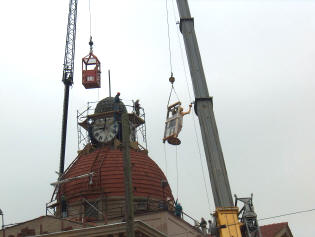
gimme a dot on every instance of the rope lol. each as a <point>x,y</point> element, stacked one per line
<point>169,38</point>
<point>165,160</point>
<point>169,98</point>
<point>200,159</point>
<point>189,95</point>
<point>176,94</point>
<point>176,173</point>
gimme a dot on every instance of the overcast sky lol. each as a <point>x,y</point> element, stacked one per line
<point>258,58</point>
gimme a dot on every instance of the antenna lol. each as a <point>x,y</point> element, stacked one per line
<point>110,90</point>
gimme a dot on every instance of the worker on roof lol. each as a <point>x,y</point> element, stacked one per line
<point>116,107</point>
<point>178,209</point>
<point>116,98</point>
<point>203,225</point>
<point>117,115</point>
<point>137,107</point>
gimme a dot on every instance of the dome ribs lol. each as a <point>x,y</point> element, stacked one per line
<point>107,166</point>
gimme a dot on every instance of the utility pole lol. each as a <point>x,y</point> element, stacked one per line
<point>204,109</point>
<point>3,230</point>
<point>127,175</point>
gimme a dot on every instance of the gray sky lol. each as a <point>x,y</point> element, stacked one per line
<point>258,57</point>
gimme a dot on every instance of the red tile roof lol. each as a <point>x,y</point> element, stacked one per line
<point>273,229</point>
<point>107,164</point>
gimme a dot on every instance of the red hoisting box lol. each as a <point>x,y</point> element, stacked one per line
<point>91,72</point>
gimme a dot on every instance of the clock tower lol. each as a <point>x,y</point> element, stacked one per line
<point>103,126</point>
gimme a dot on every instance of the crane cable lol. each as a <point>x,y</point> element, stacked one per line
<point>90,19</point>
<point>170,53</point>
<point>91,43</point>
<point>169,38</point>
<point>172,89</point>
<point>189,95</point>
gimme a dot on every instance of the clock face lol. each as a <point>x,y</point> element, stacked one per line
<point>104,129</point>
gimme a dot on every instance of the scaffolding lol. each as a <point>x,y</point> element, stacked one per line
<point>138,135</point>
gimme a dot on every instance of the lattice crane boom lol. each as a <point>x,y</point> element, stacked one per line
<point>68,66</point>
<point>67,77</point>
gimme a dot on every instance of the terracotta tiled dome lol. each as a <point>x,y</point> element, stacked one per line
<point>108,178</point>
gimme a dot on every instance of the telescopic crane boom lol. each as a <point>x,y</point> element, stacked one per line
<point>67,77</point>
<point>204,108</point>
<point>226,215</point>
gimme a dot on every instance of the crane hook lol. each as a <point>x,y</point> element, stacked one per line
<point>91,45</point>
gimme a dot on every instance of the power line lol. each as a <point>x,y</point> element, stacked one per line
<point>287,214</point>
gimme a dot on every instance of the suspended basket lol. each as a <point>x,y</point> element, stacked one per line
<point>173,124</point>
<point>91,72</point>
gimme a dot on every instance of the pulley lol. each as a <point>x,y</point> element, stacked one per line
<point>172,79</point>
<point>91,45</point>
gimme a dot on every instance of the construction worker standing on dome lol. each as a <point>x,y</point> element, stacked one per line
<point>137,107</point>
<point>117,115</point>
<point>116,106</point>
<point>116,98</point>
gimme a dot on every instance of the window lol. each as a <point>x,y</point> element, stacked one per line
<point>89,78</point>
